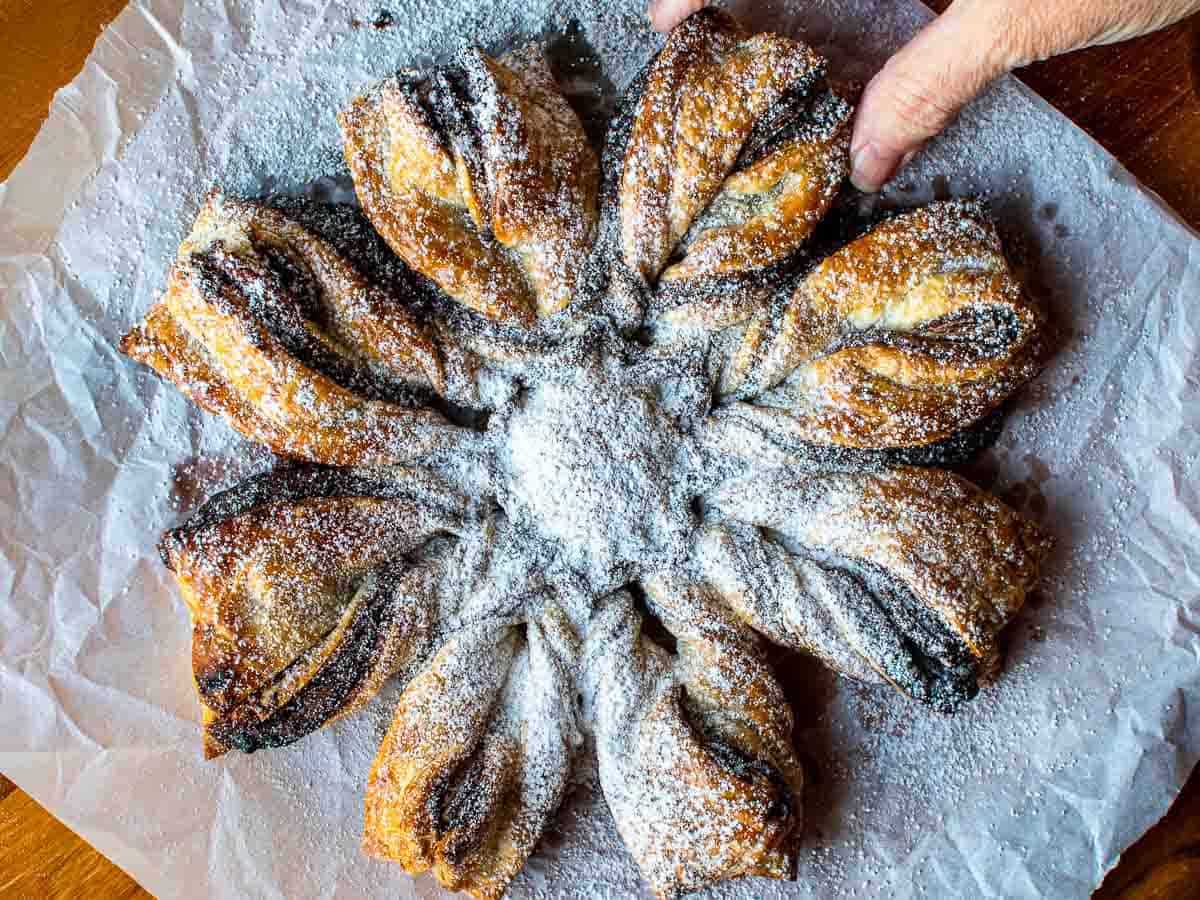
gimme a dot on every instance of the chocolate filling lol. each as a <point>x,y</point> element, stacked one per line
<point>806,110</point>
<point>255,295</point>
<point>295,281</point>
<point>455,95</point>
<point>904,639</point>
<point>345,228</point>
<point>964,337</point>
<point>839,228</point>
<point>465,804</point>
<point>616,144</point>
<point>744,766</point>
<point>286,484</point>
<point>954,452</point>
<point>324,695</point>
<point>621,278</point>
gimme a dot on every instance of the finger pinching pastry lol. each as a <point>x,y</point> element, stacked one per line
<point>564,459</point>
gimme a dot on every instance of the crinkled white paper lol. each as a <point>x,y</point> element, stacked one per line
<point>1033,791</point>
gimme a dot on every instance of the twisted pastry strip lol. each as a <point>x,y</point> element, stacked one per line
<point>743,430</point>
<point>477,757</point>
<point>792,601</point>
<point>480,177</point>
<point>901,339</point>
<point>694,751</point>
<point>304,597</point>
<point>728,151</point>
<point>267,325</point>
<point>918,571</point>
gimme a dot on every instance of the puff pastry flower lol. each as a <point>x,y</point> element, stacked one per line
<point>564,446</point>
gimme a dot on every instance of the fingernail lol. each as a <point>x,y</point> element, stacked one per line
<point>662,16</point>
<point>870,168</point>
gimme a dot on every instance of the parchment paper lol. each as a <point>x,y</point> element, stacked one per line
<point>1033,791</point>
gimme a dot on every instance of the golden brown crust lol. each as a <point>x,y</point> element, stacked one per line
<point>501,212</point>
<point>904,337</point>
<point>433,736</point>
<point>717,169</point>
<point>421,215</point>
<point>367,321</point>
<point>963,552</point>
<point>960,552</point>
<point>161,343</point>
<point>278,596</point>
<point>800,178</point>
<point>695,754</point>
<point>647,238</point>
<point>476,759</point>
<point>546,179</point>
<point>210,335</point>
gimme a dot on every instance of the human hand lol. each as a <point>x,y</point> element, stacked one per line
<point>666,14</point>
<point>924,86</point>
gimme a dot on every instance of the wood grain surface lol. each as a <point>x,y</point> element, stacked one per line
<point>1137,99</point>
<point>42,858</point>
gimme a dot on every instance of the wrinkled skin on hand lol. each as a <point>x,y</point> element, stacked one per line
<point>925,85</point>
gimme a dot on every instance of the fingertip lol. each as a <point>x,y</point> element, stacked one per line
<point>872,166</point>
<point>666,14</point>
<point>917,93</point>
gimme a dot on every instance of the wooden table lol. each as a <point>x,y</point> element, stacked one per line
<point>1139,100</point>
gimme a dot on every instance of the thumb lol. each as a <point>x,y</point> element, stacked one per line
<point>921,90</point>
<point>666,14</point>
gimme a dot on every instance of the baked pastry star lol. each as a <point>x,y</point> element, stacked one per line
<point>562,460</point>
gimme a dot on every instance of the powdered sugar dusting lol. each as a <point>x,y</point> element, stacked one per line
<point>872,757</point>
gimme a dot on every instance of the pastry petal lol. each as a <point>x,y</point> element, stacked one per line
<point>694,750</point>
<point>784,597</point>
<point>902,338</point>
<point>728,152</point>
<point>865,632</point>
<point>480,176</point>
<point>267,325</point>
<point>477,757</point>
<point>917,569</point>
<point>306,592</point>
<point>767,437</point>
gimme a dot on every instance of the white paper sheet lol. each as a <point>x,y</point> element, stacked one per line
<point>1034,790</point>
